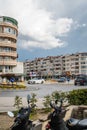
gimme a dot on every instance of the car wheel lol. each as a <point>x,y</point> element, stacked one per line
<point>34,82</point>
<point>42,82</point>
<point>75,84</point>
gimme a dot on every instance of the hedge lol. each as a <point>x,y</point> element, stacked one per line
<point>12,87</point>
<point>78,97</point>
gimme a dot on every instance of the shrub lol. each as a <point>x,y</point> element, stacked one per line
<point>12,87</point>
<point>75,97</point>
<point>78,97</point>
<point>33,101</point>
<point>18,102</point>
<point>46,103</point>
<point>57,95</point>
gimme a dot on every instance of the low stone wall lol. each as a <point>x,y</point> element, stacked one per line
<point>77,112</point>
<point>80,112</point>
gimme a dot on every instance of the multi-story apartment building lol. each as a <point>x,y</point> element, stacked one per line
<point>72,64</point>
<point>8,47</point>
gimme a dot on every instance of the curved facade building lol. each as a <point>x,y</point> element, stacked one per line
<point>8,48</point>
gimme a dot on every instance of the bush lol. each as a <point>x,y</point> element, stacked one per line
<point>46,103</point>
<point>75,97</point>
<point>5,86</point>
<point>78,97</point>
<point>33,101</point>
<point>56,95</point>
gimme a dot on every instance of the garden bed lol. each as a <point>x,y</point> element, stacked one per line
<point>14,86</point>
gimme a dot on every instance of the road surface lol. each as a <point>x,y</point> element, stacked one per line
<point>7,96</point>
<point>40,90</point>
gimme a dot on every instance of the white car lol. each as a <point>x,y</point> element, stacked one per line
<point>36,81</point>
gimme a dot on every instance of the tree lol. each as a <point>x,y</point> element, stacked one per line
<point>46,103</point>
<point>18,102</point>
<point>33,102</point>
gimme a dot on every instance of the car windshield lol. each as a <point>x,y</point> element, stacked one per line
<point>62,78</point>
<point>35,78</point>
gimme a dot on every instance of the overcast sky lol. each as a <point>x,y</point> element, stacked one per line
<point>48,27</point>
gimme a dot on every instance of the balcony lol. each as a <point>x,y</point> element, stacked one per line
<point>9,25</point>
<point>7,44</point>
<point>8,35</point>
<point>11,63</point>
<point>11,54</point>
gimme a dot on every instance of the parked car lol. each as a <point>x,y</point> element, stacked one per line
<point>81,80</point>
<point>36,81</point>
<point>62,79</point>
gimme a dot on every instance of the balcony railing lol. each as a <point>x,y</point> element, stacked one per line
<point>8,25</point>
<point>8,35</point>
<point>7,44</point>
<point>12,62</point>
<point>13,54</point>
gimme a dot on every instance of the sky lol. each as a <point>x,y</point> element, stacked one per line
<point>48,27</point>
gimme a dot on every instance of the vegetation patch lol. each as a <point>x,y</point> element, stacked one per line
<point>3,86</point>
<point>77,97</point>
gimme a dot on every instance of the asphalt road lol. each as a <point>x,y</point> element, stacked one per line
<point>40,90</point>
<point>7,96</point>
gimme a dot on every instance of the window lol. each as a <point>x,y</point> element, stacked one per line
<point>83,66</point>
<point>82,62</point>
<point>84,54</point>
<point>0,29</point>
<point>1,68</point>
<point>84,58</point>
<point>8,68</point>
<point>1,19</point>
<point>9,30</point>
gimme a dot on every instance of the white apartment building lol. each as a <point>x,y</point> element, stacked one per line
<point>18,70</point>
<point>71,64</point>
<point>8,48</point>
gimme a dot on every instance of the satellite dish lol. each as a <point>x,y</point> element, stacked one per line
<point>10,114</point>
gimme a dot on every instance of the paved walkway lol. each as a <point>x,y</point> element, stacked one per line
<point>7,103</point>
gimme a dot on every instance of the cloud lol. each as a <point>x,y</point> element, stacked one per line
<point>77,25</point>
<point>37,23</point>
<point>46,35</point>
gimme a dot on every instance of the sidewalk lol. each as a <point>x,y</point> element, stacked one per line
<point>7,103</point>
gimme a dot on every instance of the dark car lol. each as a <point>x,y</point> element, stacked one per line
<point>62,79</point>
<point>81,80</point>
